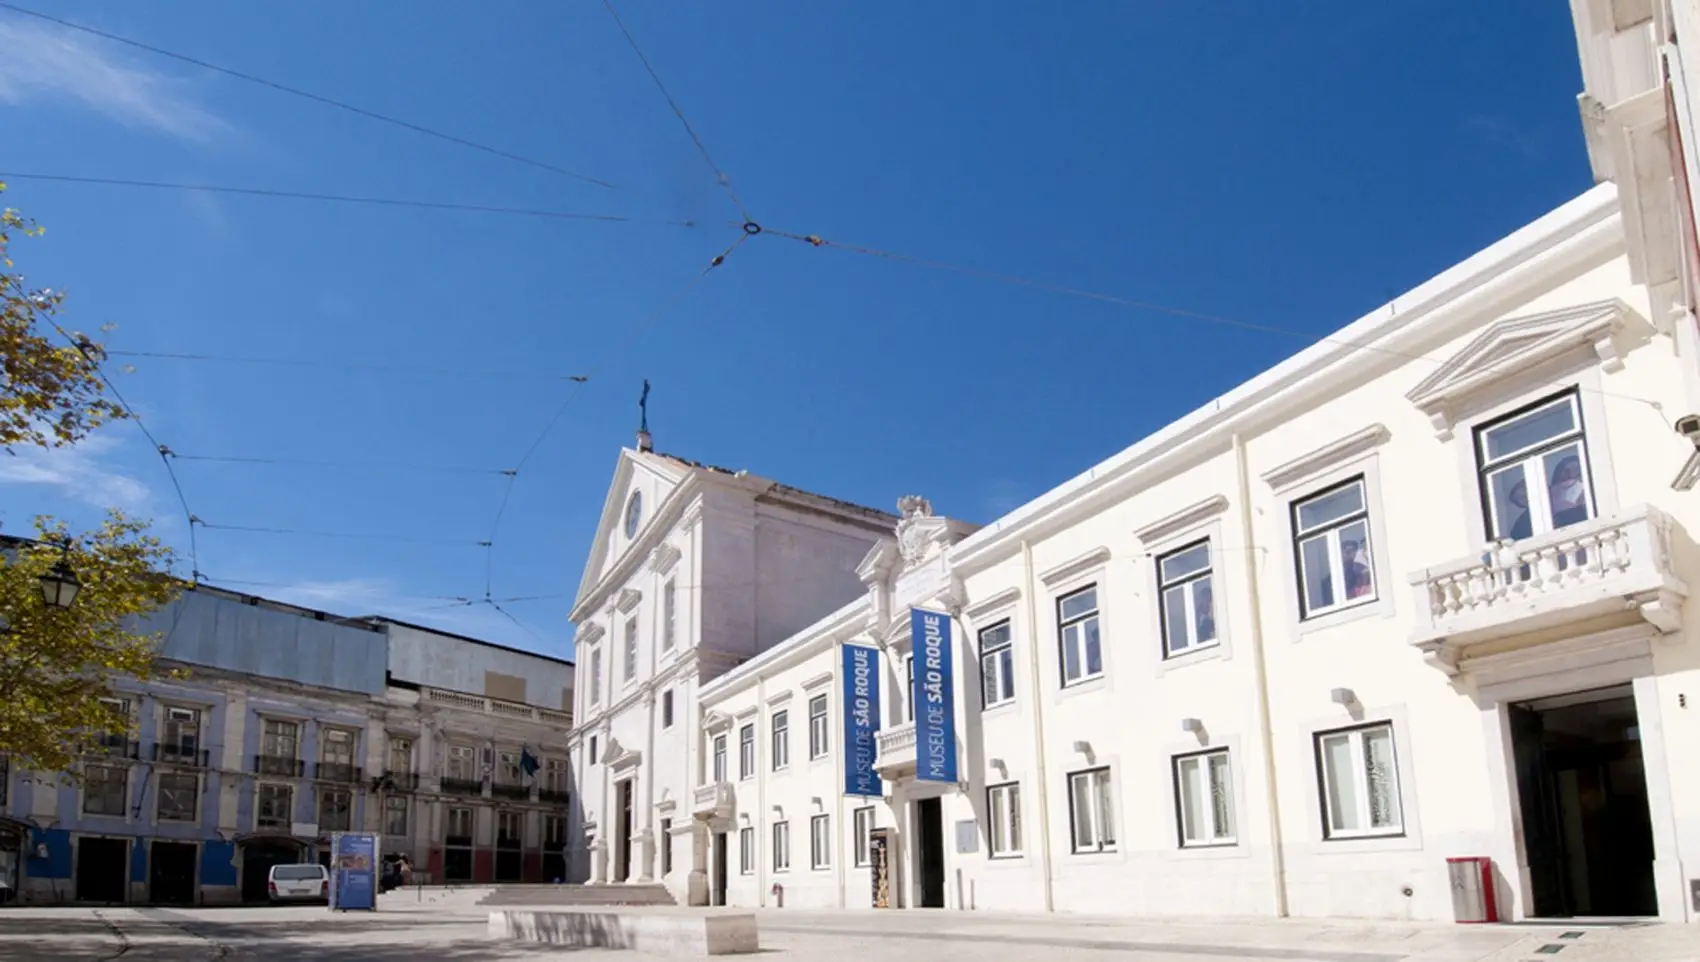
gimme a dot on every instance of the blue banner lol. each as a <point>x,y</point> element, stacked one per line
<point>354,871</point>
<point>861,719</point>
<point>935,696</point>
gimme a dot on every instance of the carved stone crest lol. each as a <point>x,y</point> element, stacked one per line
<point>912,529</point>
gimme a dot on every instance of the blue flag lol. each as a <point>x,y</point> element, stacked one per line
<point>527,761</point>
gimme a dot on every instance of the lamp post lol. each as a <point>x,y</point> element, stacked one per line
<point>59,585</point>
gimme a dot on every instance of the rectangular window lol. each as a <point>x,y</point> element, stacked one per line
<point>1534,470</point>
<point>554,831</point>
<point>666,844</point>
<point>182,736</point>
<point>1077,635</point>
<point>1188,608</point>
<point>719,758</point>
<point>462,763</point>
<point>631,663</point>
<point>862,827</point>
<point>820,842</point>
<point>508,769</point>
<point>997,666</point>
<point>395,815</point>
<point>555,776</point>
<point>595,676</point>
<point>1360,782</point>
<point>1003,802</point>
<point>590,753</point>
<point>335,807</point>
<point>781,748</point>
<point>510,830</point>
<point>1331,542</point>
<point>280,739</point>
<point>667,708</point>
<point>275,806</point>
<point>401,755</point>
<point>781,846</point>
<point>460,826</point>
<point>747,752</point>
<point>1091,808</point>
<point>819,737</point>
<point>746,851</point>
<point>105,788</point>
<point>117,742</point>
<point>669,617</point>
<point>338,747</point>
<point>1204,797</point>
<point>179,793</point>
<point>909,688</point>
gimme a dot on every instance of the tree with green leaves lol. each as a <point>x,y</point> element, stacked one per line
<point>51,390</point>
<point>59,661</point>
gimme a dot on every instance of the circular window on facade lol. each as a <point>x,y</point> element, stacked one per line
<point>634,514</point>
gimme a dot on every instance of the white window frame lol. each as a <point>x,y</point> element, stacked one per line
<point>629,653</point>
<point>269,738</point>
<point>1203,764</point>
<point>596,676</point>
<point>997,662</point>
<point>1079,621</point>
<point>720,767</point>
<point>1100,799</point>
<point>327,794</point>
<point>1329,533</point>
<point>449,824</point>
<point>1530,460</point>
<point>820,730</point>
<point>820,842</point>
<point>781,846</point>
<point>122,767</point>
<point>391,808</point>
<point>908,689</point>
<point>1335,463</point>
<point>746,751</point>
<point>1003,820</point>
<point>862,832</point>
<point>1185,582</point>
<point>747,850</point>
<point>468,754</point>
<point>1326,777</point>
<point>194,796</point>
<point>400,749</point>
<point>779,750</point>
<point>276,790</point>
<point>669,616</point>
<point>193,723</point>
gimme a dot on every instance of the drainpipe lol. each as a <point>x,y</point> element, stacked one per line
<point>759,823</point>
<point>1260,689</point>
<point>835,739</point>
<point>1038,690</point>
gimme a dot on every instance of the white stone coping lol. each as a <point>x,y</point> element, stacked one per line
<point>655,931</point>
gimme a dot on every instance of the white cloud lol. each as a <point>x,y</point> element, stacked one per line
<point>78,472</point>
<point>41,61</point>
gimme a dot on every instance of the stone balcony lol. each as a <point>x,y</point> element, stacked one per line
<point>496,706</point>
<point>1604,573</point>
<point>713,801</point>
<point>894,750</point>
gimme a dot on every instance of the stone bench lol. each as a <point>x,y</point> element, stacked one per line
<point>660,933</point>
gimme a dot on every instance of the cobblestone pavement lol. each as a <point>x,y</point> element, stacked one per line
<point>457,934</point>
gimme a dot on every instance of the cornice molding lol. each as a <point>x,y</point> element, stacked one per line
<point>628,599</point>
<point>997,602</point>
<point>780,698</point>
<point>589,634</point>
<point>1188,517</point>
<point>1312,463</point>
<point>817,682</point>
<point>1096,558</point>
<point>664,557</point>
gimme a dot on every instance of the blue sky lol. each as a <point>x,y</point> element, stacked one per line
<point>1290,165</point>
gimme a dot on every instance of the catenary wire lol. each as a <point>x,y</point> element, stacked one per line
<point>279,194</point>
<point>308,95</point>
<point>814,240</point>
<point>345,365</point>
<point>340,465</point>
<point>216,581</point>
<point>351,535</point>
<point>719,173</point>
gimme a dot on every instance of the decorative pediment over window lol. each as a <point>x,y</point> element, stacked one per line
<point>619,758</point>
<point>1517,344</point>
<point>714,722</point>
<point>629,598</point>
<point>663,558</point>
<point>589,635</point>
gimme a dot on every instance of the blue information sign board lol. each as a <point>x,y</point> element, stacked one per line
<point>354,871</point>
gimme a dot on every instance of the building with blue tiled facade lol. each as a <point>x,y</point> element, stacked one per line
<point>289,727</point>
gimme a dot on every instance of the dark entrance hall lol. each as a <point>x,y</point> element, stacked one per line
<point>171,873</point>
<point>103,869</point>
<point>1582,786</point>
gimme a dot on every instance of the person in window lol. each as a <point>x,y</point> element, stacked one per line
<point>1204,611</point>
<point>1359,582</point>
<point>1521,525</point>
<point>1568,493</point>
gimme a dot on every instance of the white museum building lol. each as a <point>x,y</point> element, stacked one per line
<point>1416,594</point>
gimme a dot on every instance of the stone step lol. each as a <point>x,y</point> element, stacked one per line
<point>578,895</point>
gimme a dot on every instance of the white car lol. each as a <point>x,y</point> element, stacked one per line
<point>308,882</point>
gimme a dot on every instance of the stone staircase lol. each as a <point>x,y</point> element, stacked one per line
<point>577,895</point>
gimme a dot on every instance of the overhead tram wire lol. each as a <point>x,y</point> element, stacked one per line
<point>815,240</point>
<point>349,535</point>
<point>346,365</point>
<point>340,465</point>
<point>648,322</point>
<point>316,98</point>
<point>274,194</point>
<point>719,173</point>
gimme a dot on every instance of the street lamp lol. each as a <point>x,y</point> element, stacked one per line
<point>59,585</point>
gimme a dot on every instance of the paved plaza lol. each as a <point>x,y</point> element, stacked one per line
<point>456,933</point>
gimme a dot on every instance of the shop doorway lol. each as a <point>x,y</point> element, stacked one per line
<point>13,838</point>
<point>103,869</point>
<point>929,852</point>
<point>258,857</point>
<point>171,873</point>
<point>1582,787</point>
<point>717,894</point>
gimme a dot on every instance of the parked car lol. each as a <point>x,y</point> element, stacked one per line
<point>308,882</point>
